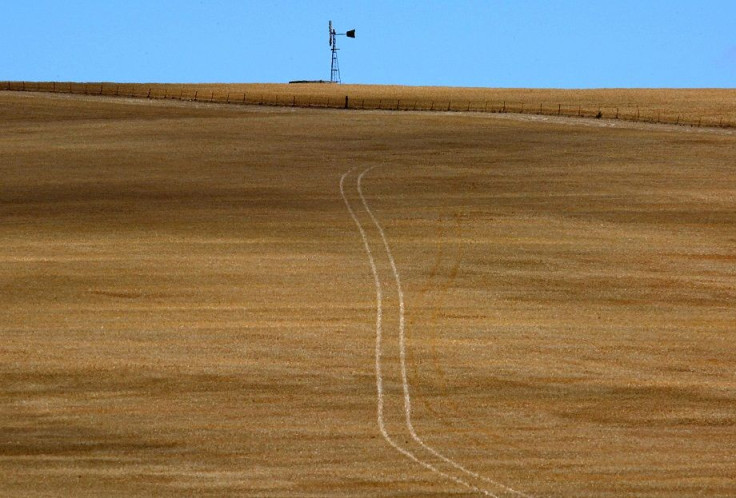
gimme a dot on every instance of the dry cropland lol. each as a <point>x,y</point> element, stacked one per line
<point>210,299</point>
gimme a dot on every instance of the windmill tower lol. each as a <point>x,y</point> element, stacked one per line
<point>335,65</point>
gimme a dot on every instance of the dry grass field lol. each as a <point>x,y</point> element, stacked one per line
<point>189,306</point>
<point>689,107</point>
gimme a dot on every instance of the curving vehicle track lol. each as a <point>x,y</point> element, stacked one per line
<point>425,455</point>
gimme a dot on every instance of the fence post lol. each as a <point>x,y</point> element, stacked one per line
<point>243,98</point>
<point>559,109</point>
<point>195,95</point>
<point>398,104</point>
<point>637,113</point>
<point>346,101</point>
<point>432,108</point>
<point>227,101</point>
<point>449,105</point>
<point>468,106</point>
<point>212,96</point>
<point>503,109</point>
<point>617,113</point>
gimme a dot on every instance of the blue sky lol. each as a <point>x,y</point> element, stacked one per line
<point>493,43</point>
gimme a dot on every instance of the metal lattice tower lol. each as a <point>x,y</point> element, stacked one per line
<point>335,65</point>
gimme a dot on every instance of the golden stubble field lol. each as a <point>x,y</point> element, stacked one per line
<point>714,107</point>
<point>188,307</point>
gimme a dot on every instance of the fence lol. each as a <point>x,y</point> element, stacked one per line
<point>209,94</point>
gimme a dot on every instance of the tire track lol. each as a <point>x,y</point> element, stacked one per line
<point>379,353</point>
<point>402,356</point>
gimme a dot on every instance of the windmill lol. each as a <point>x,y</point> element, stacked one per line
<point>335,66</point>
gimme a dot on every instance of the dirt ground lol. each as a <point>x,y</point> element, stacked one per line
<point>188,306</point>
